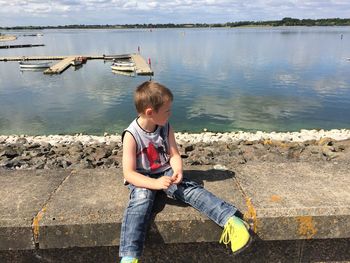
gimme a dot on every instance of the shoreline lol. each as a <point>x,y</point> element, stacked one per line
<point>219,150</point>
<point>186,137</point>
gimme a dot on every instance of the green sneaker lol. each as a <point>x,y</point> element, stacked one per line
<point>129,260</point>
<point>236,232</point>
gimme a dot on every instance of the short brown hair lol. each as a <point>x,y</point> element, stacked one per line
<point>151,94</point>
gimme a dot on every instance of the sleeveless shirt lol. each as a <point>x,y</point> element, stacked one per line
<point>152,148</point>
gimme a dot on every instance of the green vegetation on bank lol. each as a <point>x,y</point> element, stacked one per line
<point>287,21</point>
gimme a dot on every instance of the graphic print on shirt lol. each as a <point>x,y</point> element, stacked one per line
<point>156,156</point>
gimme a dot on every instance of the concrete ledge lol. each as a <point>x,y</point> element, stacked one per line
<point>284,201</point>
<point>23,194</point>
<point>298,200</point>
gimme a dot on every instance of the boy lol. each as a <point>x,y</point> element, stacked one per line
<point>151,162</point>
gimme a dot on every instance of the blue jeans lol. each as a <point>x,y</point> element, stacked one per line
<point>138,212</point>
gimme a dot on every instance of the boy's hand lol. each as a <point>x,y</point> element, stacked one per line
<point>176,178</point>
<point>163,182</point>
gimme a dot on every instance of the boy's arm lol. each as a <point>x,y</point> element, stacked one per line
<point>175,158</point>
<point>129,168</point>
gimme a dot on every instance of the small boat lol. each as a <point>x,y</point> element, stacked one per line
<point>32,65</point>
<point>123,65</point>
<point>78,61</point>
<point>22,70</point>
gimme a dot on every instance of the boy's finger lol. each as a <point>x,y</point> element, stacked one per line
<point>178,180</point>
<point>173,177</point>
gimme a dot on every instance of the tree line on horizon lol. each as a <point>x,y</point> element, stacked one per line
<point>287,21</point>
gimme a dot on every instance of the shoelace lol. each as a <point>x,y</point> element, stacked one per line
<point>227,233</point>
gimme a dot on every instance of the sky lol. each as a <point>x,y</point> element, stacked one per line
<point>65,12</point>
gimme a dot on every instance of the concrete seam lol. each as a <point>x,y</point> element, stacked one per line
<point>301,250</point>
<point>250,216</point>
<point>36,219</point>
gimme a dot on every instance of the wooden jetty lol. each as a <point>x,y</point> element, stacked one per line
<point>25,58</point>
<point>142,68</point>
<point>61,66</point>
<point>21,46</point>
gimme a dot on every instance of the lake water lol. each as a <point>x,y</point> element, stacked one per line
<point>269,79</point>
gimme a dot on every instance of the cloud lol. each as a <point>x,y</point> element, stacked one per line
<point>173,11</point>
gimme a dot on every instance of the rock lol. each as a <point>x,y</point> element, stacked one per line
<point>74,158</point>
<point>340,148</point>
<point>83,151</point>
<point>87,151</point>
<point>248,142</point>
<point>59,150</point>
<point>36,153</point>
<point>108,163</point>
<point>196,162</point>
<point>21,140</point>
<point>101,153</point>
<point>242,161</point>
<point>314,149</point>
<point>326,141</point>
<point>34,145</point>
<point>40,165</point>
<point>220,167</point>
<point>189,148</point>
<point>209,153</point>
<point>62,162</point>
<point>9,152</point>
<point>38,162</point>
<point>231,146</point>
<point>4,161</point>
<point>329,154</point>
<point>294,154</point>
<point>3,139</point>
<point>75,149</point>
<point>85,164</point>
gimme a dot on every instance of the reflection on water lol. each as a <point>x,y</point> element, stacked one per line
<point>223,79</point>
<point>124,73</point>
<point>249,112</point>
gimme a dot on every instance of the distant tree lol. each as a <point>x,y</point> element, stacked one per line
<point>287,21</point>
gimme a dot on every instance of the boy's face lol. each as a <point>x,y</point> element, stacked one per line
<point>162,116</point>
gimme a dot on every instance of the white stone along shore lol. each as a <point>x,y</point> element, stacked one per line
<point>193,138</point>
<point>207,148</point>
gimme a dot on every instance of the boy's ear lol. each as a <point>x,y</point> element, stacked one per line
<point>148,111</point>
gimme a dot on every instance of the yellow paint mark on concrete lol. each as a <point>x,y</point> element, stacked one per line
<point>250,215</point>
<point>275,198</point>
<point>36,221</point>
<point>306,227</point>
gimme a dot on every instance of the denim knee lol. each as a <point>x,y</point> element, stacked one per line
<point>187,189</point>
<point>141,199</point>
